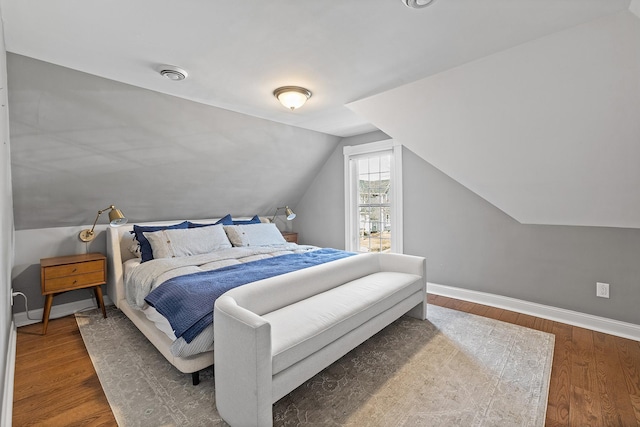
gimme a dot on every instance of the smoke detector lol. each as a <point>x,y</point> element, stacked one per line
<point>418,4</point>
<point>173,73</point>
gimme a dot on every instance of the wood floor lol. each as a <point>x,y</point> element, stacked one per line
<point>595,380</point>
<point>55,383</point>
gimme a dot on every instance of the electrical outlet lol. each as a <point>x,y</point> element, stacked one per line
<point>602,290</point>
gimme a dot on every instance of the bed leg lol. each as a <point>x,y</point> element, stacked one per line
<point>195,377</point>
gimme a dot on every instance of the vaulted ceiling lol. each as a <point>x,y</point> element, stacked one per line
<point>467,84</point>
<point>548,131</point>
<point>238,52</point>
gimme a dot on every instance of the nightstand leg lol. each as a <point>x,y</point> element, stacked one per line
<point>45,314</point>
<point>98,292</point>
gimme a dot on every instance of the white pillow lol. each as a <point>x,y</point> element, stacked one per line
<point>134,248</point>
<point>264,234</point>
<point>181,242</point>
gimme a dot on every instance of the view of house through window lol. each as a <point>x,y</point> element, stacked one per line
<point>373,190</point>
<point>374,202</point>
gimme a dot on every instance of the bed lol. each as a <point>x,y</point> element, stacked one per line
<point>133,281</point>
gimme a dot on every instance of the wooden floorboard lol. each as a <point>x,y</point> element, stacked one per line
<point>508,316</point>
<point>616,407</point>
<point>559,388</point>
<point>595,377</point>
<point>55,383</point>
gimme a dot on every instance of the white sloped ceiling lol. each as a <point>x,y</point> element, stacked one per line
<point>548,131</point>
<point>238,52</point>
<point>532,104</point>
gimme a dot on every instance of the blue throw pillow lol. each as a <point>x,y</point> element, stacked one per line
<point>196,225</point>
<point>145,246</point>
<point>254,220</point>
<point>225,220</point>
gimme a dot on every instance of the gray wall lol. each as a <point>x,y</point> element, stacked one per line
<point>81,143</point>
<point>320,219</point>
<point>471,244</point>
<point>6,218</point>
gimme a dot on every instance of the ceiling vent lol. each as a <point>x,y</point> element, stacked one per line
<point>173,73</point>
<point>418,4</point>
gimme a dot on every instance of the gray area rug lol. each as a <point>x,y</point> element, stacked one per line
<point>455,369</point>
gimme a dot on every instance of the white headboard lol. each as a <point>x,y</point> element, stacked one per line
<point>119,239</point>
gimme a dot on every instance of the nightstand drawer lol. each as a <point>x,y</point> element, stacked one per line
<point>71,272</point>
<point>60,284</point>
<point>73,269</point>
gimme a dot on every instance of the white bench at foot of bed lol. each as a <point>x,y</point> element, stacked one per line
<point>274,334</point>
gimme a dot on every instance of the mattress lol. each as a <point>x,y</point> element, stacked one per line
<point>141,278</point>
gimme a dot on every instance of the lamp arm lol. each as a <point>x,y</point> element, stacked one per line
<point>100,212</point>
<point>276,213</point>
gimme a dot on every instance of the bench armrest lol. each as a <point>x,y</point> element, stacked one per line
<point>408,264</point>
<point>402,263</point>
<point>242,345</point>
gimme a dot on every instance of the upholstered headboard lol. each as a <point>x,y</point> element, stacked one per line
<point>119,239</point>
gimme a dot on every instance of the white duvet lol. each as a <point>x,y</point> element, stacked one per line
<point>141,278</point>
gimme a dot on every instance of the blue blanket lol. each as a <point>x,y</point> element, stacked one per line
<point>187,301</point>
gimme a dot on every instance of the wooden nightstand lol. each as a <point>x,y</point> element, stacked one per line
<point>290,236</point>
<point>68,273</point>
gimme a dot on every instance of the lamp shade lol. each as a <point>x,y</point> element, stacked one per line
<point>292,97</point>
<point>116,217</point>
<point>290,214</point>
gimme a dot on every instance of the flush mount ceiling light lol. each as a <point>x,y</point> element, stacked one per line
<point>173,73</point>
<point>292,97</point>
<point>418,4</point>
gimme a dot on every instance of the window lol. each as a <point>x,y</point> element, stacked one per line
<point>373,197</point>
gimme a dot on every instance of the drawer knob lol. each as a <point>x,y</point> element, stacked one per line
<point>74,270</point>
<point>75,281</point>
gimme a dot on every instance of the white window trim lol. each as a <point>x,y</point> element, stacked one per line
<point>351,224</point>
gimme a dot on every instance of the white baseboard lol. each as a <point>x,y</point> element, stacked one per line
<point>10,368</point>
<point>588,321</point>
<point>61,310</point>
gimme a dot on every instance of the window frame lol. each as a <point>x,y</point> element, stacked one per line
<point>352,229</point>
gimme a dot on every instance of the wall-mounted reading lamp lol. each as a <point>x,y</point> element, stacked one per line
<point>287,210</point>
<point>116,218</point>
